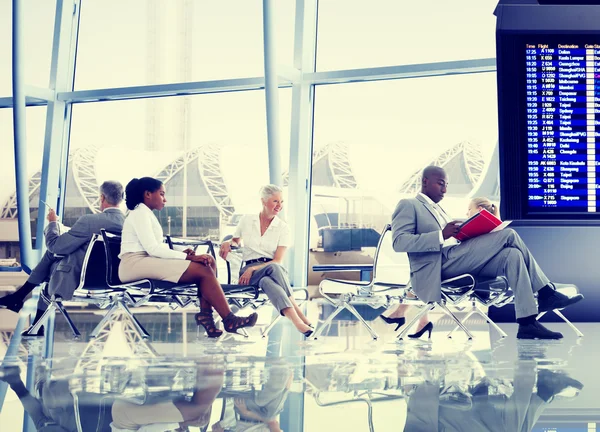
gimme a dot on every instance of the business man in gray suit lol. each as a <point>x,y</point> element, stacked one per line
<point>61,264</point>
<point>424,230</point>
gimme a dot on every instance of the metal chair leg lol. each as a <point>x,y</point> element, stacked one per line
<point>36,326</point>
<point>490,322</point>
<point>266,331</point>
<point>340,307</point>
<point>464,320</point>
<point>139,327</point>
<point>104,320</point>
<point>354,312</point>
<point>70,322</point>
<point>456,320</point>
<point>569,323</point>
<point>417,317</point>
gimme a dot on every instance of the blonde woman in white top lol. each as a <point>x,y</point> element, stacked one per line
<point>265,238</point>
<point>145,255</point>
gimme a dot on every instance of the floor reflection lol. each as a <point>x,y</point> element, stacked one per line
<point>343,381</point>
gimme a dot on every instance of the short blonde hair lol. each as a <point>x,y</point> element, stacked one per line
<point>486,204</point>
<point>269,190</point>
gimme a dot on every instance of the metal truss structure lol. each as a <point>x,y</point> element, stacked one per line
<point>210,172</point>
<point>9,209</point>
<point>84,172</point>
<point>92,357</point>
<point>338,164</point>
<point>469,155</point>
<point>83,163</point>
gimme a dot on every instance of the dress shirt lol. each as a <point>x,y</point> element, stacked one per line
<point>257,246</point>
<point>442,218</point>
<point>143,233</point>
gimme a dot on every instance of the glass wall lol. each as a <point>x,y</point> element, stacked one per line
<point>38,31</point>
<point>370,138</point>
<point>209,150</point>
<point>390,32</point>
<point>158,42</point>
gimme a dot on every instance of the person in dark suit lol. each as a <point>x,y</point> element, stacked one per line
<point>61,264</point>
<point>484,408</point>
<point>422,228</point>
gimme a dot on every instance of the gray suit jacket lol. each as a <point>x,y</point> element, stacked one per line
<point>73,244</point>
<point>415,230</point>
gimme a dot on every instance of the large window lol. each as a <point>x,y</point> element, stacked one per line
<point>354,34</point>
<point>372,139</point>
<point>35,123</point>
<point>141,42</point>
<point>221,135</point>
<point>38,33</point>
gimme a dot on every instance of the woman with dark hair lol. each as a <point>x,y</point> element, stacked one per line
<point>145,255</point>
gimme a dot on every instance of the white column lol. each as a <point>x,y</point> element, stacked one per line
<point>301,145</point>
<point>272,94</point>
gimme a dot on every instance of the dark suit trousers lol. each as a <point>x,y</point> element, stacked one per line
<point>42,272</point>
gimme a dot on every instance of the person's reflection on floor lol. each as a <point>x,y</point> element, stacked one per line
<point>53,411</point>
<point>176,415</point>
<point>486,407</point>
<point>258,412</point>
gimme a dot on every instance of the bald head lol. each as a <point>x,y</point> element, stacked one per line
<point>434,183</point>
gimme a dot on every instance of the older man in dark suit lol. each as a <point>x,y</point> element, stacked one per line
<point>61,264</point>
<point>422,228</point>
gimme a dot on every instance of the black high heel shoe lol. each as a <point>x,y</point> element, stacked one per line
<point>233,323</point>
<point>428,327</point>
<point>205,319</point>
<point>400,321</point>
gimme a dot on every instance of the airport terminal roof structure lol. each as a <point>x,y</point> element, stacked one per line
<point>203,174</point>
<point>331,167</point>
<point>463,164</point>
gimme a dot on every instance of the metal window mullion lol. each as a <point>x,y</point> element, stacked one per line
<point>62,72</point>
<point>20,134</point>
<point>458,67</point>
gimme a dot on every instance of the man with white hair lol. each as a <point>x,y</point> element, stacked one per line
<point>61,264</point>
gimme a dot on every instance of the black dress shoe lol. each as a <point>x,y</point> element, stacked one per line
<point>7,302</point>
<point>536,331</point>
<point>549,383</point>
<point>557,300</point>
<point>40,333</point>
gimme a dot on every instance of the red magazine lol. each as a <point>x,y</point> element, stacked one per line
<point>478,224</point>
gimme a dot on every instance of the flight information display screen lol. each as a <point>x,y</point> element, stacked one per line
<point>563,114</point>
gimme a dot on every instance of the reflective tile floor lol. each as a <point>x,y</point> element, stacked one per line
<point>344,381</point>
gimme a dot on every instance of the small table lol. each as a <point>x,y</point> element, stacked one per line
<point>366,270</point>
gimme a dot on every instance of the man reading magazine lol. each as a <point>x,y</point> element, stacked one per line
<point>422,228</point>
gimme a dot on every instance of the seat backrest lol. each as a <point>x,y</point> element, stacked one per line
<point>200,246</point>
<point>93,269</point>
<point>112,248</point>
<point>389,266</point>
